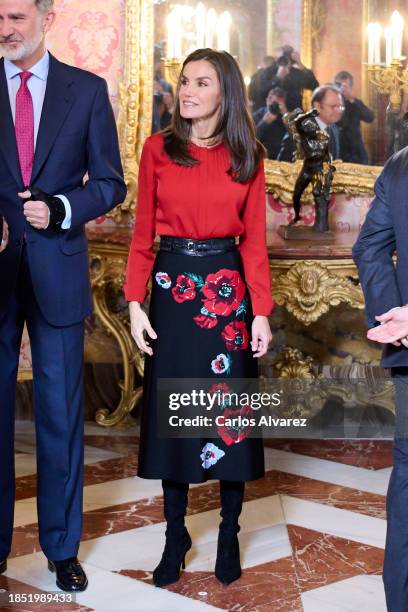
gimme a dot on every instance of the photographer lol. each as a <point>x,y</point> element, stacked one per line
<point>261,82</point>
<point>293,77</point>
<point>352,148</point>
<point>268,120</point>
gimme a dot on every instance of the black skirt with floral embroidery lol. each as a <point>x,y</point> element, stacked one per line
<point>202,315</point>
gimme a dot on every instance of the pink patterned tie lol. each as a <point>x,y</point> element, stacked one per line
<point>24,124</point>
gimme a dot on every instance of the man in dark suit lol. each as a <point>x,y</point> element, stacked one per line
<point>56,126</point>
<point>352,147</point>
<point>385,289</point>
<point>328,100</point>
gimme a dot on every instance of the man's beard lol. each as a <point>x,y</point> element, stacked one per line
<point>24,48</point>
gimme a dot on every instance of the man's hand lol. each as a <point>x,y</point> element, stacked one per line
<point>393,328</point>
<point>4,237</point>
<point>296,59</point>
<point>36,213</point>
<point>282,72</point>
<point>347,91</point>
<point>269,118</point>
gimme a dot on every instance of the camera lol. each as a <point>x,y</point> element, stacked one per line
<point>274,108</point>
<point>158,97</point>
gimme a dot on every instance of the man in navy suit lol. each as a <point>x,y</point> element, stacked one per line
<point>56,126</point>
<point>385,287</point>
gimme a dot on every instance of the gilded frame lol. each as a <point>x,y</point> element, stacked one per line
<point>135,109</point>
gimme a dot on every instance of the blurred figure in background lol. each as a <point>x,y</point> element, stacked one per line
<point>328,100</point>
<point>352,148</point>
<point>163,99</point>
<point>261,82</point>
<point>293,77</point>
<point>268,120</point>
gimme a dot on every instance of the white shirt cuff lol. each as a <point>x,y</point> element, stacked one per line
<point>66,224</point>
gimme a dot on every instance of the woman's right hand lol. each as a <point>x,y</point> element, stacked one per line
<point>139,323</point>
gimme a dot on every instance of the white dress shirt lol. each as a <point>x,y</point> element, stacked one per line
<point>37,85</point>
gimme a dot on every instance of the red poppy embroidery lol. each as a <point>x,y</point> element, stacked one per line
<point>224,290</point>
<point>236,336</point>
<point>234,425</point>
<point>206,320</point>
<point>184,289</point>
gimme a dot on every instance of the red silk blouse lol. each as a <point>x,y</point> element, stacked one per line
<point>199,202</point>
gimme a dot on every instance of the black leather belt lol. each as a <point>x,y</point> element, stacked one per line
<point>201,248</point>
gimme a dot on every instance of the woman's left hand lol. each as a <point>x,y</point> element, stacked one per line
<point>261,335</point>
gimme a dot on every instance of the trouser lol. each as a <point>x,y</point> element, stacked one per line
<point>57,358</point>
<point>395,573</point>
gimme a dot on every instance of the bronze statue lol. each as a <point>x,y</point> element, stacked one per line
<point>312,145</point>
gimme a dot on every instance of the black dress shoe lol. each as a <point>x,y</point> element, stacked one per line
<point>70,575</point>
<point>3,566</point>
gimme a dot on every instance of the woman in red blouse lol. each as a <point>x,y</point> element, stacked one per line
<point>201,184</point>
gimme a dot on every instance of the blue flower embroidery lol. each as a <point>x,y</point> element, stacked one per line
<point>221,364</point>
<point>163,280</point>
<point>210,455</point>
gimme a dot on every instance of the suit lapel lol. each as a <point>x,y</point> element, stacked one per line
<point>57,104</point>
<point>8,144</point>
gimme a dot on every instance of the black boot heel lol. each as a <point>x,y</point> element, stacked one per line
<point>227,565</point>
<point>174,557</point>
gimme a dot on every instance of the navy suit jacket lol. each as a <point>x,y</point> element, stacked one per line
<point>385,231</point>
<point>77,135</point>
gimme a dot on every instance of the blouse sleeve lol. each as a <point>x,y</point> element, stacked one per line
<point>252,246</point>
<point>141,256</point>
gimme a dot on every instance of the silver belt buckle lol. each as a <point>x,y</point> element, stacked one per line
<point>190,245</point>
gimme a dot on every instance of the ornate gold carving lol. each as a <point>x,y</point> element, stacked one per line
<point>306,389</point>
<point>294,364</point>
<point>314,14</point>
<point>351,179</point>
<point>359,393</point>
<point>108,269</point>
<point>135,97</point>
<point>391,80</point>
<point>172,68</point>
<point>308,289</point>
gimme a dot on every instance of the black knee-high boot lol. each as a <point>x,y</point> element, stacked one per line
<point>228,566</point>
<point>178,540</point>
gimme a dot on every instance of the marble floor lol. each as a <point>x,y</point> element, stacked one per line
<point>312,531</point>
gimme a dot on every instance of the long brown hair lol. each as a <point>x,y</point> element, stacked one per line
<point>235,125</point>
